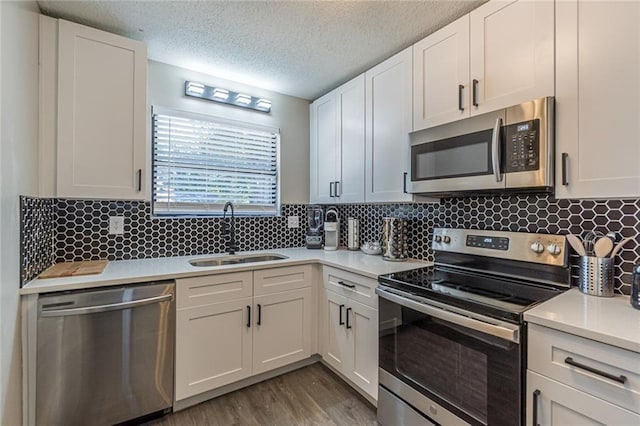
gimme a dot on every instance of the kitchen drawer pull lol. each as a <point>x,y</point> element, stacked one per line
<point>460,88</point>
<point>348,310</point>
<point>536,395</point>
<point>619,379</point>
<point>340,320</point>
<point>259,314</point>
<point>346,285</point>
<point>474,92</point>
<point>565,169</point>
<point>248,316</point>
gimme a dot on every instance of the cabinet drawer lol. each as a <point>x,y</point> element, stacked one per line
<point>354,286</point>
<point>209,289</point>
<point>275,280</point>
<point>551,352</point>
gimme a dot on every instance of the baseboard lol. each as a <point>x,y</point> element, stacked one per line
<point>366,396</point>
<point>197,399</point>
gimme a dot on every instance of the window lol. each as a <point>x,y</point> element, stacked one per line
<point>200,162</point>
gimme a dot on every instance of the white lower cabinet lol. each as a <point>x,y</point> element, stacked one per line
<point>213,346</point>
<point>576,381</point>
<point>557,404</point>
<point>350,340</point>
<point>282,333</point>
<point>221,341</point>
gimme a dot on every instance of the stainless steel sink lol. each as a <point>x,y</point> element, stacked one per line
<point>234,260</point>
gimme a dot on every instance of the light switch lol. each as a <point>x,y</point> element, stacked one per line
<point>116,225</point>
<point>293,222</point>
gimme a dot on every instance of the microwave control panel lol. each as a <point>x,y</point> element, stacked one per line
<point>522,146</point>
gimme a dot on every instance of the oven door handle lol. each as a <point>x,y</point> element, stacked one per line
<point>505,331</point>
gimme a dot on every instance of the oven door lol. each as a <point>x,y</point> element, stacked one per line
<point>448,365</point>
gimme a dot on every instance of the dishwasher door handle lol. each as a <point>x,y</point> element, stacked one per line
<point>106,308</point>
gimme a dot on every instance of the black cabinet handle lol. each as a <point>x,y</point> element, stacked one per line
<point>338,189</point>
<point>565,169</point>
<point>619,379</point>
<point>404,182</point>
<point>331,189</point>
<point>248,316</point>
<point>340,321</point>
<point>348,310</point>
<point>474,92</point>
<point>346,285</point>
<point>139,180</point>
<point>536,395</point>
<point>460,88</point>
<point>259,314</point>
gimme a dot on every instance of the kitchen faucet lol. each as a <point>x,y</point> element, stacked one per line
<point>229,228</point>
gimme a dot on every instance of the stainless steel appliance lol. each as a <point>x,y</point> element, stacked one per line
<point>105,356</point>
<point>315,217</point>
<point>353,234</point>
<point>503,151</point>
<point>452,336</point>
<point>331,229</point>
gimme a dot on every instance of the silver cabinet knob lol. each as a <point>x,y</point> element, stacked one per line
<point>537,247</point>
<point>554,249</point>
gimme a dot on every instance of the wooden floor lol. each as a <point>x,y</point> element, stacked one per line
<point>312,395</point>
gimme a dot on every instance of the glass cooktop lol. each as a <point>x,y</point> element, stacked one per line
<point>498,297</point>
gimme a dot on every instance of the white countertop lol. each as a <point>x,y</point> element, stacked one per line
<point>610,320</point>
<point>144,270</point>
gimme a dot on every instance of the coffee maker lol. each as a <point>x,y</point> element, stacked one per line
<point>315,215</point>
<point>331,229</point>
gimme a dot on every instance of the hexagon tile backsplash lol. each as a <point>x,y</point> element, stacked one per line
<point>80,227</point>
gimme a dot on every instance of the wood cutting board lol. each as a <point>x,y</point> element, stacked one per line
<point>72,269</point>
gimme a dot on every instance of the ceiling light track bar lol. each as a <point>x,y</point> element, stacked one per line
<point>218,94</point>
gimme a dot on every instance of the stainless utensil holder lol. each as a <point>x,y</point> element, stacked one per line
<point>596,276</point>
<point>394,239</point>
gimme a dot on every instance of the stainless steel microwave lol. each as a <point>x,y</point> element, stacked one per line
<point>510,150</point>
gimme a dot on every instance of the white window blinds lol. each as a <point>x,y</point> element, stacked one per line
<point>200,162</point>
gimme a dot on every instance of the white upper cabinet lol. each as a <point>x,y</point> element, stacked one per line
<point>441,76</point>
<point>388,120</point>
<point>102,104</point>
<point>597,92</point>
<point>512,53</point>
<point>337,145</point>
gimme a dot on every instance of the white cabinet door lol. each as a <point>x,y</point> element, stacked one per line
<point>388,119</point>
<point>597,108</point>
<point>441,91</point>
<point>102,104</point>
<point>282,329</point>
<point>336,347</point>
<point>350,159</point>
<point>557,404</point>
<point>362,328</point>
<point>213,346</point>
<point>324,149</point>
<point>512,53</point>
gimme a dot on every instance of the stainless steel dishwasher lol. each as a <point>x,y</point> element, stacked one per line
<point>105,356</point>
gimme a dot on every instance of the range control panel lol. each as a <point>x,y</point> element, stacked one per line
<point>523,246</point>
<point>522,146</point>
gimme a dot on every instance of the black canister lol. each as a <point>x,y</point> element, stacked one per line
<point>635,287</point>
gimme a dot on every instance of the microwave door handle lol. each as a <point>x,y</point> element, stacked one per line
<point>495,150</point>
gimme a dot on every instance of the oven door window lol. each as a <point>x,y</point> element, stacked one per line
<point>466,155</point>
<point>474,375</point>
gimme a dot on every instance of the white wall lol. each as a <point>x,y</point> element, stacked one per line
<point>290,114</point>
<point>18,176</point>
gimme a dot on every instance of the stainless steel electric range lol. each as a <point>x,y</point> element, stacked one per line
<point>452,337</point>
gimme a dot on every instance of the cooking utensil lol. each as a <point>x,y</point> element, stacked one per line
<point>590,239</point>
<point>619,246</point>
<point>603,247</point>
<point>576,244</point>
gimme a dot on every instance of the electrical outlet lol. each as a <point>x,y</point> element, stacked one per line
<point>116,225</point>
<point>293,222</point>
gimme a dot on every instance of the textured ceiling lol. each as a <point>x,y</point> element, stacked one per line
<point>300,48</point>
